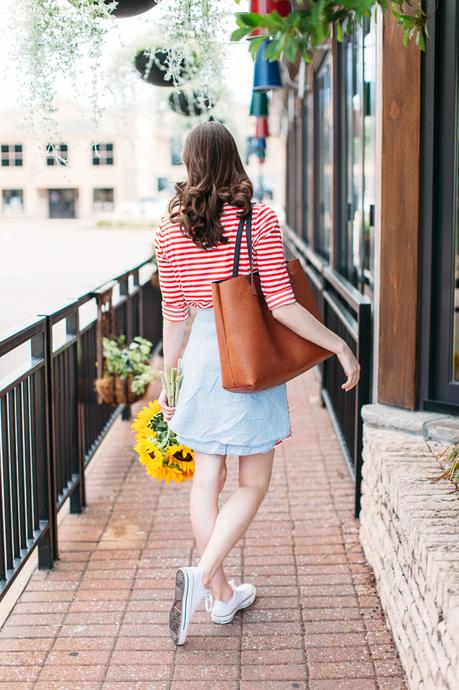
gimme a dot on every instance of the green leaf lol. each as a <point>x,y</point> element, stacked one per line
<point>255,44</point>
<point>240,33</point>
<point>273,49</point>
<point>291,50</point>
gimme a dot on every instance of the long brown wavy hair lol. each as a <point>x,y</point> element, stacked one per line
<point>215,176</point>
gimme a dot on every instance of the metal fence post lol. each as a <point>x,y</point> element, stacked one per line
<point>41,348</point>
<point>78,496</point>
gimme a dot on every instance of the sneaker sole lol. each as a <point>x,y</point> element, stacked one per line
<point>221,620</point>
<point>178,623</point>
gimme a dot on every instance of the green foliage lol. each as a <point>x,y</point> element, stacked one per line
<point>449,461</point>
<point>303,30</point>
<point>129,360</point>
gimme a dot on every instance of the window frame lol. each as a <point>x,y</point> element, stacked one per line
<point>319,246</point>
<point>437,390</point>
<point>51,158</point>
<point>103,148</point>
<point>20,195</point>
<point>11,155</point>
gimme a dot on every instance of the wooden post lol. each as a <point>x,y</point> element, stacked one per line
<point>399,219</point>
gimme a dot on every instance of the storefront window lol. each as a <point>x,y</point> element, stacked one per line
<point>308,165</point>
<point>324,157</point>
<point>439,282</point>
<point>369,153</point>
<point>357,134</point>
<point>13,201</point>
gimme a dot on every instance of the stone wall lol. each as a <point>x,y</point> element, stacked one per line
<point>410,535</point>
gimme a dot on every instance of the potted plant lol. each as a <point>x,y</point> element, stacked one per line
<point>127,372</point>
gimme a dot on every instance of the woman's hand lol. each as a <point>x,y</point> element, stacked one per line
<point>167,411</point>
<point>350,365</point>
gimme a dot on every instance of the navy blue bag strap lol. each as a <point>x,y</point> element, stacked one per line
<point>245,220</point>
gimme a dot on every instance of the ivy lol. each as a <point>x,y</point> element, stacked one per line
<point>303,30</point>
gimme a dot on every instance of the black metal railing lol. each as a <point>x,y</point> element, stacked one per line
<point>347,312</point>
<point>50,420</point>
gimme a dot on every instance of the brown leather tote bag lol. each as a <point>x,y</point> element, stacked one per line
<point>256,350</point>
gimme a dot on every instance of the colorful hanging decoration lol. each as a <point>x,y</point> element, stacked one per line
<point>261,127</point>
<point>266,74</point>
<point>259,104</point>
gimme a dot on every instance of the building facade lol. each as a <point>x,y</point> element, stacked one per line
<point>372,208</point>
<point>132,162</point>
<point>77,177</point>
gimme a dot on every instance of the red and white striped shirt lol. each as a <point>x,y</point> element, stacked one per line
<point>186,271</point>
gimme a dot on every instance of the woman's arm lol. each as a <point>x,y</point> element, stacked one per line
<point>301,321</point>
<point>280,299</point>
<point>173,334</point>
<point>174,310</point>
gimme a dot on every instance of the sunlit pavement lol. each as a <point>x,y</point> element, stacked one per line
<point>46,263</point>
<point>99,619</point>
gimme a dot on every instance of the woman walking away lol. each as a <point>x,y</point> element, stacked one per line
<point>194,246</point>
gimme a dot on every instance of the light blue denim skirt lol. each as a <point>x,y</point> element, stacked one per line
<point>210,419</point>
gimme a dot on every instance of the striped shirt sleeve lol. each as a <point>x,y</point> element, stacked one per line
<point>173,304</point>
<point>269,251</point>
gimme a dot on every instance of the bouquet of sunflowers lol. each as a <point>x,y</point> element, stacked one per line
<point>156,444</point>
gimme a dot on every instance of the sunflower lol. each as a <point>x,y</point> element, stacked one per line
<point>182,457</point>
<point>157,447</point>
<point>141,424</point>
<point>148,451</point>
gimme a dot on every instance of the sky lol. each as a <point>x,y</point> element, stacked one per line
<point>237,74</point>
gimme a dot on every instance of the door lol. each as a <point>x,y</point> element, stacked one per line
<point>62,203</point>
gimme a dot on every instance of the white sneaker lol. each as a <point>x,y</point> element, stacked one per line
<point>189,592</point>
<point>243,595</point>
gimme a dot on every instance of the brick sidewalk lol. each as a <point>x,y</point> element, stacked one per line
<point>99,619</point>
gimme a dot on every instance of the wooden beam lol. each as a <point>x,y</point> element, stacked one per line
<point>399,228</point>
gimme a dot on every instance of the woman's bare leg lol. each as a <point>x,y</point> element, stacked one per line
<point>208,481</point>
<point>238,512</point>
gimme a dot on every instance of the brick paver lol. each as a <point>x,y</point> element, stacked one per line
<point>98,620</point>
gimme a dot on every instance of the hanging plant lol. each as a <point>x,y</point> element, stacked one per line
<point>53,39</point>
<point>185,46</point>
<point>200,25</point>
<point>163,67</point>
<point>312,23</point>
<point>190,104</point>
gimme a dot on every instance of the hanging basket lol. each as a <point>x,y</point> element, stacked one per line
<point>114,390</point>
<point>126,8</point>
<point>154,71</point>
<point>190,105</point>
<point>130,8</point>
